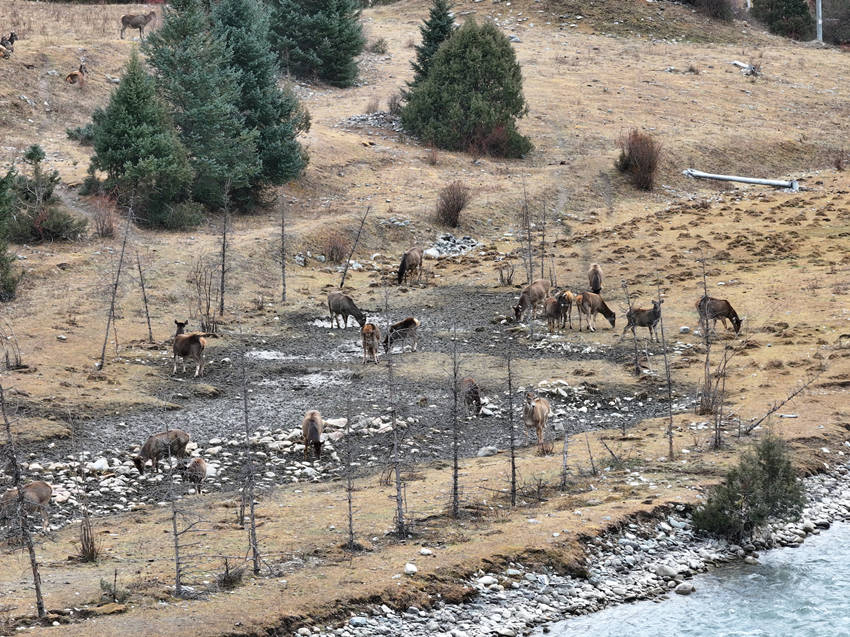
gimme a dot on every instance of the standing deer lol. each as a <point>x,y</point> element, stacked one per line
<point>36,497</point>
<point>531,297</point>
<point>340,304</point>
<point>162,445</point>
<point>565,303</point>
<point>411,262</point>
<point>594,278</point>
<point>311,432</point>
<point>139,22</point>
<point>401,331</point>
<point>77,77</point>
<point>195,472</point>
<point>644,318</point>
<point>370,337</point>
<point>188,346</point>
<point>535,414</point>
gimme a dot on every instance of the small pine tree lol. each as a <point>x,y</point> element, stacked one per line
<point>472,95</point>
<point>790,18</point>
<point>319,38</point>
<point>275,113</point>
<point>202,92</point>
<point>435,30</point>
<point>762,486</point>
<point>137,147</point>
<point>8,277</point>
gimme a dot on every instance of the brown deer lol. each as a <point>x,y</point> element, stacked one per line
<point>370,337</point>
<point>535,414</point>
<point>162,445</point>
<point>37,496</point>
<point>589,305</point>
<point>77,77</point>
<point>311,432</point>
<point>711,309</point>
<point>637,317</point>
<point>194,472</point>
<point>552,312</point>
<point>471,395</point>
<point>340,304</point>
<point>531,297</point>
<point>411,262</point>
<point>139,22</point>
<point>188,346</point>
<point>594,278</point>
<point>401,331</point>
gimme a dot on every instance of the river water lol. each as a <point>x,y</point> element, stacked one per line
<point>802,591</point>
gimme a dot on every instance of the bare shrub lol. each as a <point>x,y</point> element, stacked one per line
<point>374,106</point>
<point>380,47</point>
<point>639,156</point>
<point>89,546</point>
<point>431,158</point>
<point>839,160</point>
<point>452,200</point>
<point>103,217</point>
<point>334,245</point>
<point>506,273</point>
<point>231,577</point>
<point>394,104</point>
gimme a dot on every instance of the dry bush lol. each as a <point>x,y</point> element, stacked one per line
<point>231,577</point>
<point>379,46</point>
<point>452,200</point>
<point>506,273</point>
<point>431,158</point>
<point>334,245</point>
<point>394,104</point>
<point>639,157</point>
<point>373,106</point>
<point>103,218</point>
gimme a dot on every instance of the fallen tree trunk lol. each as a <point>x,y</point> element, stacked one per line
<point>777,183</point>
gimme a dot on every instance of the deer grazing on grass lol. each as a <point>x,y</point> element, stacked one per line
<point>401,331</point>
<point>77,77</point>
<point>711,309</point>
<point>311,432</point>
<point>36,498</point>
<point>531,297</point>
<point>471,395</point>
<point>140,21</point>
<point>594,278</point>
<point>589,305</point>
<point>411,262</point>
<point>644,318</point>
<point>535,414</point>
<point>194,472</point>
<point>188,346</point>
<point>370,337</point>
<point>340,304</point>
<point>165,444</point>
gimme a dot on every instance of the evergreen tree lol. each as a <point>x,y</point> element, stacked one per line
<point>435,30</point>
<point>8,277</point>
<point>136,145</point>
<point>202,92</point>
<point>274,113</point>
<point>319,38</point>
<point>472,95</point>
<point>790,18</point>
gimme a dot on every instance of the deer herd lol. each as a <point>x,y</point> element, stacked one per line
<point>556,306</point>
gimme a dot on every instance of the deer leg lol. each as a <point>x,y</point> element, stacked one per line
<point>174,369</point>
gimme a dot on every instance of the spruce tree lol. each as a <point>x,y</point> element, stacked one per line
<point>472,95</point>
<point>319,38</point>
<point>435,30</point>
<point>790,18</point>
<point>274,113</point>
<point>136,145</point>
<point>202,92</point>
<point>9,278</point>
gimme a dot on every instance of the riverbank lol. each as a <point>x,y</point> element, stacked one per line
<point>645,559</point>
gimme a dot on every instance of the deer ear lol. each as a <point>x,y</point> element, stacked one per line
<point>176,322</point>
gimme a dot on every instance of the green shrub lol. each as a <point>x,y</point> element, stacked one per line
<point>790,18</point>
<point>716,9</point>
<point>9,277</point>
<point>472,95</point>
<point>762,486</point>
<point>435,30</point>
<point>82,134</point>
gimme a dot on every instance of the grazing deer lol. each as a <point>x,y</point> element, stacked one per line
<point>194,472</point>
<point>565,303</point>
<point>535,414</point>
<point>37,496</point>
<point>188,346</point>
<point>411,262</point>
<point>531,297</point>
<point>552,312</point>
<point>401,331</point>
<point>711,309</point>
<point>340,304</point>
<point>370,337</point>
<point>162,445</point>
<point>644,318</point>
<point>139,22</point>
<point>589,304</point>
<point>311,432</point>
<point>77,77</point>
<point>594,278</point>
<point>471,395</point>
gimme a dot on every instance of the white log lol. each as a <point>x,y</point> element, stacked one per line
<point>777,183</point>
